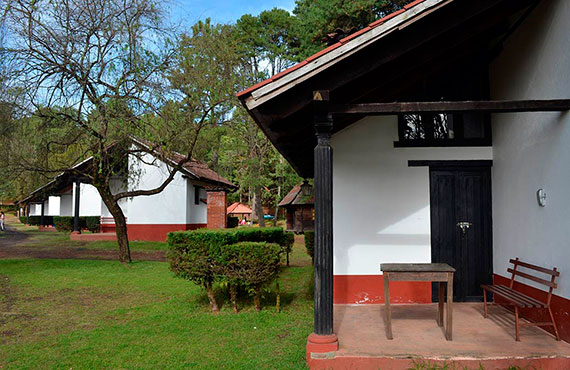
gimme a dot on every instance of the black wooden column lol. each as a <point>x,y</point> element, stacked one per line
<point>323,216</point>
<point>28,214</point>
<point>76,229</point>
<point>42,213</point>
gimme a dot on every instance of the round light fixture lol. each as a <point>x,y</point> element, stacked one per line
<point>541,197</point>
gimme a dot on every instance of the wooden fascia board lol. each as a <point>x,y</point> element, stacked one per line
<point>314,67</point>
<point>486,106</point>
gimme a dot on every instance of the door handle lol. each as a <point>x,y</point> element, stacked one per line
<point>464,225</point>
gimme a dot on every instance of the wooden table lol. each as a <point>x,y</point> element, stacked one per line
<point>435,272</point>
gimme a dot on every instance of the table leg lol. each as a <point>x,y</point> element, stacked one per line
<point>440,305</point>
<point>449,324</point>
<point>386,279</point>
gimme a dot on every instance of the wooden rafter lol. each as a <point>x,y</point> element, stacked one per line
<point>485,106</point>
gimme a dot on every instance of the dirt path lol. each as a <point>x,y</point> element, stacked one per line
<point>11,247</point>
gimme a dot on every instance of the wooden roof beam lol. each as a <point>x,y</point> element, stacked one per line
<point>484,106</point>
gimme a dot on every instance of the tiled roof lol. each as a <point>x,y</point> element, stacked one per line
<point>295,197</point>
<point>370,27</point>
<point>238,208</point>
<point>202,171</point>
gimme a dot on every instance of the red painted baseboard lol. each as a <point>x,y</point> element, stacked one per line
<point>368,362</point>
<point>155,233</point>
<point>367,289</point>
<point>560,307</point>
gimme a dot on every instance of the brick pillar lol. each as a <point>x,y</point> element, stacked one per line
<point>216,209</point>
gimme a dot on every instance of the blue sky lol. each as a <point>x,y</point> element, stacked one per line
<point>222,11</point>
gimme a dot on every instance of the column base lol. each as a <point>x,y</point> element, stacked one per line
<point>321,344</point>
<point>75,232</point>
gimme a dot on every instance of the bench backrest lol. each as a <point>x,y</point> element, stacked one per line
<point>549,283</point>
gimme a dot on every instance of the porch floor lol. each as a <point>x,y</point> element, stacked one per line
<point>476,340</point>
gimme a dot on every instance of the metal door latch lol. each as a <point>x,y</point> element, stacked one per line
<point>464,225</point>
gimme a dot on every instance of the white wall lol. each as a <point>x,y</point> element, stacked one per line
<point>380,205</point>
<point>52,207</point>
<point>66,204</point>
<point>195,214</point>
<point>167,207</point>
<point>89,202</point>
<point>35,209</point>
<point>532,150</point>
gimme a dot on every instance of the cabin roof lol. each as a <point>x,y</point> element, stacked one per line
<point>381,63</point>
<point>238,208</point>
<point>296,198</point>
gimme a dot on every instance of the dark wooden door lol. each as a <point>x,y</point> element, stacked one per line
<point>462,194</point>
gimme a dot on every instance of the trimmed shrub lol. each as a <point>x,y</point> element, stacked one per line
<point>232,222</point>
<point>310,244</point>
<point>259,234</point>
<point>92,223</point>
<point>35,220</point>
<point>203,257</point>
<point>193,255</point>
<point>252,265</point>
<point>63,223</point>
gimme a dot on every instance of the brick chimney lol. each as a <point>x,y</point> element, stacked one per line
<point>216,209</point>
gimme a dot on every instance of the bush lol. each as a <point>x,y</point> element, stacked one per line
<point>200,255</point>
<point>193,254</point>
<point>35,220</point>
<point>92,223</point>
<point>251,265</point>
<point>232,222</point>
<point>310,244</point>
<point>63,223</point>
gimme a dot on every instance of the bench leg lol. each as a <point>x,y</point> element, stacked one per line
<point>485,303</point>
<point>518,338</point>
<point>554,324</point>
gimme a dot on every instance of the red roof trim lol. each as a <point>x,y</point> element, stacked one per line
<point>412,4</point>
<point>330,48</point>
<point>288,70</point>
<point>358,33</point>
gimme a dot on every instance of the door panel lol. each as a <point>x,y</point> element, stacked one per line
<point>462,195</point>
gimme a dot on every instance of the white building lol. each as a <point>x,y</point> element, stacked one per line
<point>182,205</point>
<point>404,176</point>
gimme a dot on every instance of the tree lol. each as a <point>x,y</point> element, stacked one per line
<point>266,45</point>
<point>99,71</point>
<point>319,18</point>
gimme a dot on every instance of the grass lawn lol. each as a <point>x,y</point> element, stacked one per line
<point>85,314</point>
<point>58,239</point>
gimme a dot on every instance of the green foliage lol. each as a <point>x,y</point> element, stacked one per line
<point>232,222</point>
<point>251,265</point>
<point>92,223</point>
<point>205,256</point>
<point>192,254</point>
<point>310,243</point>
<point>317,18</point>
<point>35,220</point>
<point>63,223</point>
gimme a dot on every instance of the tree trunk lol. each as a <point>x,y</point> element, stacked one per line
<point>277,203</point>
<point>120,225</point>
<point>233,297</point>
<point>257,299</point>
<point>211,297</point>
<point>258,205</point>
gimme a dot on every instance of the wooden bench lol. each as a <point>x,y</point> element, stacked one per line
<point>519,300</point>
